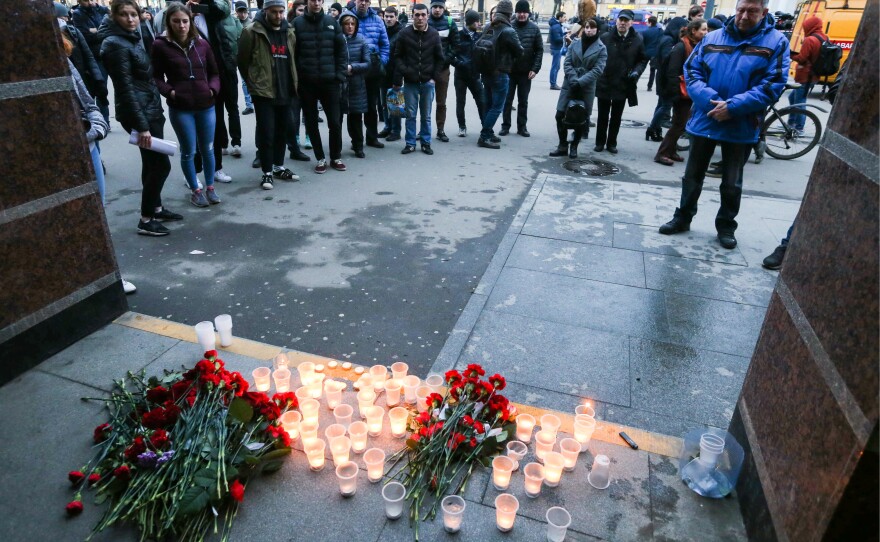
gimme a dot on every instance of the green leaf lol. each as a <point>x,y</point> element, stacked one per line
<point>251,460</point>
<point>100,498</point>
<point>231,472</point>
<point>272,466</point>
<point>501,437</point>
<point>194,500</point>
<point>205,478</point>
<point>275,454</point>
<point>240,410</point>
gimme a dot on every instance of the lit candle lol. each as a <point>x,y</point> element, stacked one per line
<point>435,381</point>
<point>392,392</point>
<point>583,430</point>
<point>534,477</point>
<point>316,384</point>
<point>282,380</point>
<point>600,474</point>
<point>558,520</point>
<point>570,449</point>
<point>516,450</point>
<point>410,383</point>
<point>347,473</point>
<point>339,449</point>
<point>393,494</point>
<point>422,393</point>
<point>306,369</point>
<point>525,423</point>
<point>365,399</point>
<point>302,393</point>
<point>399,370</point>
<point>261,378</point>
<point>280,361</point>
<point>333,392</point>
<point>375,419</point>
<point>343,413</point>
<point>314,449</point>
<point>553,464</point>
<point>223,322</point>
<point>502,467</point>
<point>290,420</point>
<point>334,430</point>
<point>453,512</point>
<point>550,423</point>
<point>358,433</point>
<point>374,458</point>
<point>379,374</point>
<point>309,409</point>
<point>205,335</point>
<point>506,506</point>
<point>398,416</point>
<point>308,429</point>
<point>365,382</point>
<point>585,409</point>
<point>544,442</point>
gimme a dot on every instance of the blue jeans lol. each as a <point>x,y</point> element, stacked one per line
<point>419,97</point>
<point>99,170</point>
<point>494,96</point>
<point>799,96</point>
<point>787,238</point>
<point>192,127</point>
<point>247,95</point>
<point>664,106</point>
<point>554,67</point>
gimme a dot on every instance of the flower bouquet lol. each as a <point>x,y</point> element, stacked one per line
<point>467,426</point>
<point>175,456</point>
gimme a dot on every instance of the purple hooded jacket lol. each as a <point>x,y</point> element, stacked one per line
<point>191,73</point>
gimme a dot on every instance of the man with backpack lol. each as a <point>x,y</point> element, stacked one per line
<point>442,22</point>
<point>525,68</point>
<point>467,78</point>
<point>812,58</point>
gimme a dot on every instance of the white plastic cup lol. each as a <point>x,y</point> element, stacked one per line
<point>399,370</point>
<point>392,392</point>
<point>333,393</point>
<point>453,508</point>
<point>340,448</point>
<point>502,467</point>
<point>280,361</point>
<point>583,430</point>
<point>302,393</point>
<point>570,449</point>
<point>544,442</point>
<point>374,458</point>
<point>223,322</point>
<point>558,520</point>
<point>600,474</point>
<point>410,384</point>
<point>379,374</point>
<point>205,335</point>
<point>262,378</point>
<point>516,450</point>
<point>290,421</point>
<point>554,462</point>
<point>347,473</point>
<point>711,447</point>
<point>436,382</point>
<point>393,494</point>
<point>365,398</point>
<point>375,420</point>
<point>309,409</point>
<point>585,410</point>
<point>334,430</point>
<point>343,414</point>
<point>314,449</point>
<point>357,431</point>
<point>550,423</point>
<point>525,424</point>
<point>282,380</point>
<point>316,385</point>
<point>397,417</point>
<point>534,478</point>
<point>305,369</point>
<point>308,430</point>
<point>422,393</point>
<point>506,506</point>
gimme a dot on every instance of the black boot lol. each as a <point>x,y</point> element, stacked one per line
<point>561,150</point>
<point>653,134</point>
<point>573,148</point>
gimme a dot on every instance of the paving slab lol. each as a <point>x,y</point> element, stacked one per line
<point>458,338</point>
<point>533,395</point>
<point>575,360</point>
<point>714,325</point>
<point>695,244</point>
<point>672,423</point>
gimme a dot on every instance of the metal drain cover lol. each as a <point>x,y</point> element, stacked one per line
<point>591,167</point>
<point>633,124</point>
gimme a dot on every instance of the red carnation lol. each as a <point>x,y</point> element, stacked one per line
<point>159,439</point>
<point>180,389</point>
<point>434,400</point>
<point>94,479</point>
<point>473,442</point>
<point>75,477</point>
<point>172,412</point>
<point>452,377</point>
<point>473,370</point>
<point>237,491</point>
<point>210,378</point>
<point>210,354</point>
<point>74,508</point>
<point>158,395</point>
<point>137,447</point>
<point>100,434</point>
<point>498,381</point>
<point>154,419</point>
<point>123,473</point>
<point>423,418</point>
<point>205,367</point>
<point>286,400</point>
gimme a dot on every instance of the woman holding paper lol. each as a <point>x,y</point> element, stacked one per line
<point>186,73</point>
<point>138,107</point>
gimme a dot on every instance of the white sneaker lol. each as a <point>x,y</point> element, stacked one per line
<point>222,177</point>
<point>198,181</point>
<point>225,152</point>
<point>128,287</point>
<point>236,151</point>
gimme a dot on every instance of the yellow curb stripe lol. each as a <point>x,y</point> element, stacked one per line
<point>654,443</point>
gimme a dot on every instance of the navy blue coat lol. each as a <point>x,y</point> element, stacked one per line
<point>359,60</point>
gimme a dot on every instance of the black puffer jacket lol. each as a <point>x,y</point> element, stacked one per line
<point>137,98</point>
<point>625,55</point>
<point>507,46</point>
<point>532,43</point>
<point>320,48</point>
<point>393,34</point>
<point>418,56</point>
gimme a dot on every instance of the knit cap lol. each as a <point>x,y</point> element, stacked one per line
<point>471,17</point>
<point>504,7</point>
<point>274,4</point>
<point>522,6</point>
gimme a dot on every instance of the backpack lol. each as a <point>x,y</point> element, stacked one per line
<point>483,55</point>
<point>828,62</point>
<point>575,114</point>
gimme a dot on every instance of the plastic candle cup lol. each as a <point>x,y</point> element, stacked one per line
<point>570,449</point>
<point>282,379</point>
<point>315,452</point>
<point>392,392</point>
<point>302,393</point>
<point>375,420</point>
<point>261,378</point>
<point>309,409</point>
<point>290,420</point>
<point>600,474</point>
<point>558,520</point>
<point>544,442</point>
<point>347,473</point>
<point>343,413</point>
<point>374,458</point>
<point>525,423</point>
<point>506,506</point>
<point>534,477</point>
<point>358,433</point>
<point>334,430</point>
<point>502,467</point>
<point>393,494</point>
<point>223,323</point>
<point>551,423</point>
<point>585,409</point>
<point>306,369</point>
<point>398,370</point>
<point>583,430</point>
<point>365,399</point>
<point>436,382</point>
<point>410,383</point>
<point>205,335</point>
<point>339,449</point>
<point>553,465</point>
<point>333,393</point>
<point>516,450</point>
<point>398,416</point>
<point>453,512</point>
<point>308,430</point>
<point>379,374</point>
<point>316,384</point>
<point>281,361</point>
<point>422,393</point>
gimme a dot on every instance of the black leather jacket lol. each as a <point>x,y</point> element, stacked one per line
<point>532,43</point>
<point>507,46</point>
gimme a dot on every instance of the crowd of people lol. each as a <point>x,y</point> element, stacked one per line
<point>305,65</point>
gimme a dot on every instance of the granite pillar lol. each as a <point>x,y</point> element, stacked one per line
<point>808,412</point>
<point>59,276</point>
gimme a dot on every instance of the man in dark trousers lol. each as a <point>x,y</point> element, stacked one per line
<point>391,132</point>
<point>321,64</point>
<point>524,70</point>
<point>371,27</point>
<point>507,50</point>
<point>446,27</point>
<point>652,36</point>
<point>467,78</point>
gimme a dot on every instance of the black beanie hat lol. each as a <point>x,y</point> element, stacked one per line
<point>522,6</point>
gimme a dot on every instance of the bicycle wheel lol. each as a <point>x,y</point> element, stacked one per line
<point>683,143</point>
<point>783,142</point>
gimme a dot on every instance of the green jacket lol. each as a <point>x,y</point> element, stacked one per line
<point>255,59</point>
<point>235,33</point>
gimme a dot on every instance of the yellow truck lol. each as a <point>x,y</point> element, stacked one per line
<point>841,19</point>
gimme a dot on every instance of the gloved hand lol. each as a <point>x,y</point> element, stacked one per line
<point>633,76</point>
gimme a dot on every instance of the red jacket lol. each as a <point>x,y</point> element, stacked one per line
<point>192,73</point>
<point>809,52</point>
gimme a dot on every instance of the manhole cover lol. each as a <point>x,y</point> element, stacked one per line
<point>591,167</point>
<point>633,124</point>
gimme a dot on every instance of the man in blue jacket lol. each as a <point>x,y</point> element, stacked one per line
<point>371,27</point>
<point>557,42</point>
<point>732,77</point>
<point>652,37</point>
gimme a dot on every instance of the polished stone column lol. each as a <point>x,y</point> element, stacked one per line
<point>58,275</point>
<point>808,411</point>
